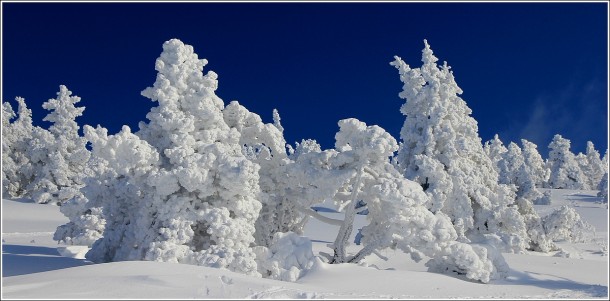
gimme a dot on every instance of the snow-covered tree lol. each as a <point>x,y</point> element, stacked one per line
<point>594,168</point>
<point>514,171</point>
<point>58,156</point>
<point>494,148</point>
<point>534,163</point>
<point>198,203</point>
<point>583,165</point>
<point>116,173</point>
<point>287,258</point>
<point>264,144</point>
<point>545,199</point>
<point>359,169</point>
<point>603,188</point>
<point>17,169</point>
<point>7,163</point>
<point>442,151</point>
<point>565,171</point>
<point>566,224</point>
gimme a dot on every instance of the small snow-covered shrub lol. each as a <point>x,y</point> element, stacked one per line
<point>86,224</point>
<point>545,199</point>
<point>472,261</point>
<point>565,224</point>
<point>288,257</point>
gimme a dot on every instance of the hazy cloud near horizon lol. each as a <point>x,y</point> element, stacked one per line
<point>551,113</point>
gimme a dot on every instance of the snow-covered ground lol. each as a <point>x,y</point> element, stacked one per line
<point>35,266</point>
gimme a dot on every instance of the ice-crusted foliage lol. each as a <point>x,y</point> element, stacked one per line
<point>59,156</point>
<point>198,202</point>
<point>8,165</point>
<point>583,165</point>
<point>514,171</point>
<point>603,188</point>
<point>494,148</point>
<point>17,170</point>
<point>112,193</point>
<point>264,144</point>
<point>545,199</point>
<point>565,171</point>
<point>358,171</point>
<point>442,151</point>
<point>534,163</point>
<point>287,258</point>
<point>594,168</point>
<point>565,224</point>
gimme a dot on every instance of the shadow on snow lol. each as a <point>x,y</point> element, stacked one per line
<point>20,260</point>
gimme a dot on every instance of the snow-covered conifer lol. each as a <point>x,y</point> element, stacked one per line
<point>494,148</point>
<point>594,169</point>
<point>264,145</point>
<point>583,165</point>
<point>566,224</point>
<point>534,163</point>
<point>17,169</point>
<point>565,171</point>
<point>7,163</point>
<point>603,188</point>
<point>58,156</point>
<point>200,203</point>
<point>112,194</point>
<point>514,171</point>
<point>442,151</point>
<point>545,199</point>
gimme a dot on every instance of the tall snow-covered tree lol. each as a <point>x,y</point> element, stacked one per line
<point>264,144</point>
<point>603,188</point>
<point>534,163</point>
<point>58,156</point>
<point>7,162</point>
<point>583,165</point>
<point>200,203</point>
<point>594,169</point>
<point>17,169</point>
<point>494,148</point>
<point>443,152</point>
<point>565,171</point>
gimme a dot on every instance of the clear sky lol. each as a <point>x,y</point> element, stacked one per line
<point>528,70</point>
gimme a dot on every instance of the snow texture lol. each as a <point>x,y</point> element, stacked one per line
<point>442,151</point>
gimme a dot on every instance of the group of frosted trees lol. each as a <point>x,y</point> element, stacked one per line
<point>211,184</point>
<point>45,165</point>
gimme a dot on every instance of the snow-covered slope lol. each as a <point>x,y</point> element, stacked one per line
<point>34,266</point>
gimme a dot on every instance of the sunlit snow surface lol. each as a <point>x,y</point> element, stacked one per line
<point>35,266</point>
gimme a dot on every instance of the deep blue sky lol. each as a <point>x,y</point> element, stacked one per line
<point>528,70</point>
